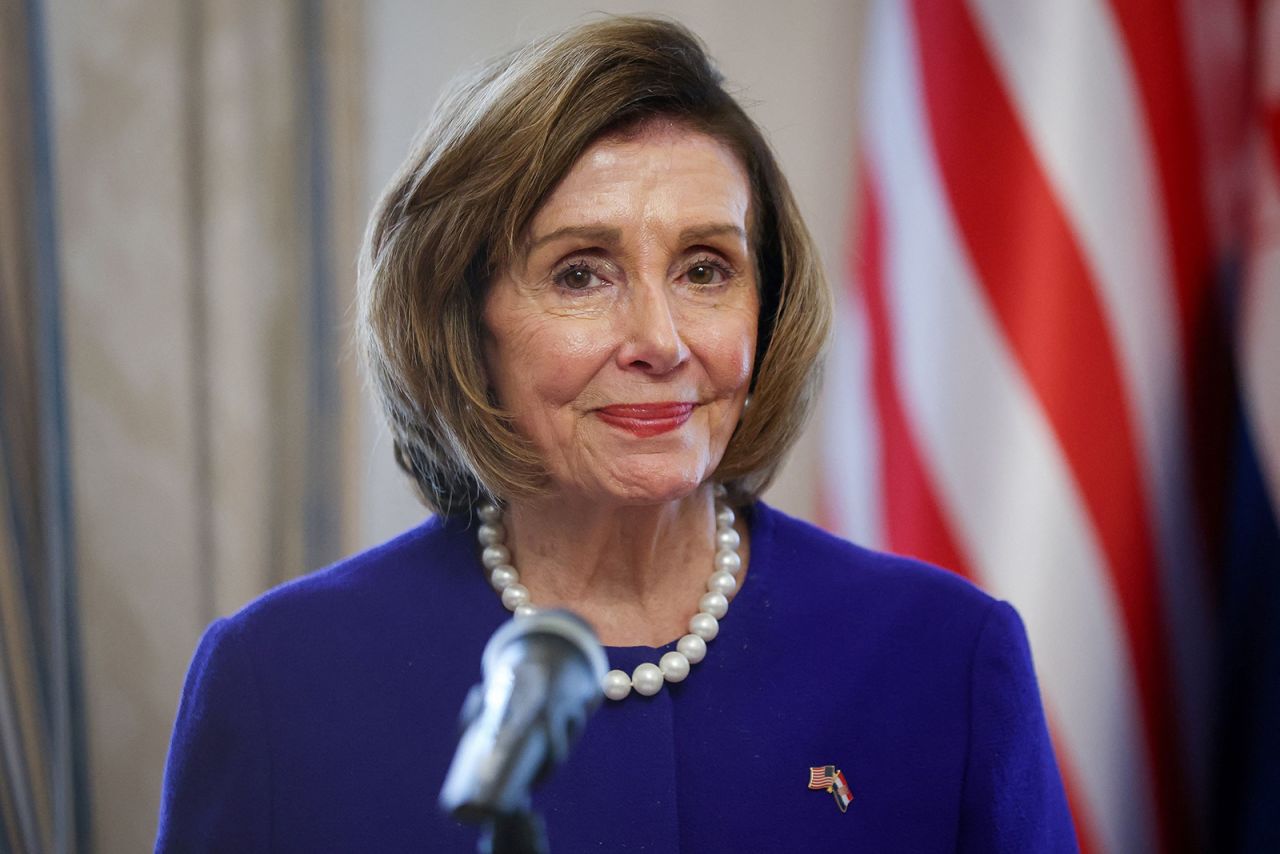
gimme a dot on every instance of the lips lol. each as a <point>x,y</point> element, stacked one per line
<point>646,419</point>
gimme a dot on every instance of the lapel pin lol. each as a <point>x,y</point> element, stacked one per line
<point>831,779</point>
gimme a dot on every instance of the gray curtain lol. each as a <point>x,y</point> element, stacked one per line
<point>207,166</point>
<point>41,773</point>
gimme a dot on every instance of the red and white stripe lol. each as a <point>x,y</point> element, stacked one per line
<point>1013,396</point>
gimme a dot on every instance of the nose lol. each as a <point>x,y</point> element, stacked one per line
<point>653,343</point>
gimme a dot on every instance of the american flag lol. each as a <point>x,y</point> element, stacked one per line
<point>822,776</point>
<point>1032,385</point>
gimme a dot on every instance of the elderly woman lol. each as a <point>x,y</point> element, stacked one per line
<point>595,321</point>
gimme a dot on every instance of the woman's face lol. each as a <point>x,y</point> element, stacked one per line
<point>622,338</point>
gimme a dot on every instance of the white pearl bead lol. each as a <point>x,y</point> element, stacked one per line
<point>692,647</point>
<point>715,603</point>
<point>647,679</point>
<point>495,556</point>
<point>617,685</point>
<point>703,625</point>
<point>718,490</point>
<point>674,667</point>
<point>491,534</point>
<point>722,582</point>
<point>727,561</point>
<point>504,576</point>
<point>514,596</point>
<point>726,538</point>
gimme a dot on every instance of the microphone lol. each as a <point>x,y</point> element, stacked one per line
<point>542,678</point>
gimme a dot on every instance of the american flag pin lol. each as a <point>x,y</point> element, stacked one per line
<point>831,779</point>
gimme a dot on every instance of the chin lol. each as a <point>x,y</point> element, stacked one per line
<point>650,487</point>
<point>652,498</point>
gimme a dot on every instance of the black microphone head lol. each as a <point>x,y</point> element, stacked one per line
<point>542,678</point>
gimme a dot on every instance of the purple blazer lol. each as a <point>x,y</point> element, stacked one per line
<point>323,716</point>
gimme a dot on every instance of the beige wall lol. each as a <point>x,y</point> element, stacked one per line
<point>184,253</point>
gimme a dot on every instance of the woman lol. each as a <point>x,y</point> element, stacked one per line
<point>595,321</point>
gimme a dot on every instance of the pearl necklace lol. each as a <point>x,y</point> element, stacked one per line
<point>647,679</point>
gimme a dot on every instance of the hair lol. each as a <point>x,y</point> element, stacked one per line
<point>455,214</point>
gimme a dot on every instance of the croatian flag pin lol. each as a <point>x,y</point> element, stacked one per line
<point>831,779</point>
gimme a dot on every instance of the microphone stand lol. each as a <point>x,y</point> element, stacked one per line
<point>514,833</point>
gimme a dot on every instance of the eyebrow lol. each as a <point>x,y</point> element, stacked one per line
<point>598,233</point>
<point>701,232</point>
<point>611,236</point>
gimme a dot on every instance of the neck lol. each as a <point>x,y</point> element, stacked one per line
<point>634,572</point>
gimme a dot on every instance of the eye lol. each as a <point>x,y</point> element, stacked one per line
<point>706,273</point>
<point>577,276</point>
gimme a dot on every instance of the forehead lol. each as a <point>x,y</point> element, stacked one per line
<point>659,174</point>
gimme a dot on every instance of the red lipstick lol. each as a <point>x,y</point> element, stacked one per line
<point>646,419</point>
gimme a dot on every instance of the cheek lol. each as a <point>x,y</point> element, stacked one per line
<point>544,364</point>
<point>729,355</point>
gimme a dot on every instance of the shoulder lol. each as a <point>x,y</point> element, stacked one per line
<point>356,629</point>
<point>948,665</point>
<point>874,586</point>
<point>361,587</point>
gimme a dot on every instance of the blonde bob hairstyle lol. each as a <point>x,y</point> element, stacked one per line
<point>458,209</point>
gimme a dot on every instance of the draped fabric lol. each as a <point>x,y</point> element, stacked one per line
<point>1035,384</point>
<point>209,175</point>
<point>40,771</point>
